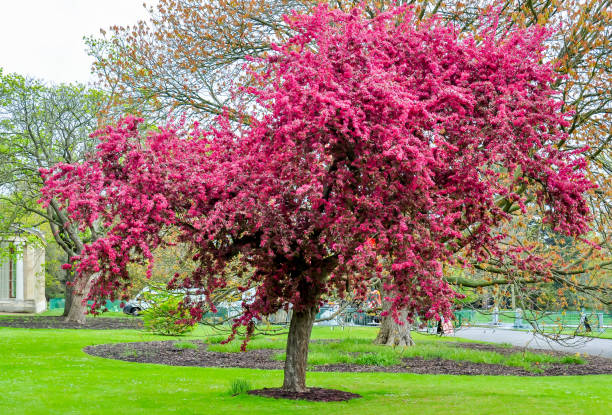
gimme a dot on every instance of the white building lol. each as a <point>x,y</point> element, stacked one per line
<point>22,275</point>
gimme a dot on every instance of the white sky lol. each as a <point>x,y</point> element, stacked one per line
<point>44,38</point>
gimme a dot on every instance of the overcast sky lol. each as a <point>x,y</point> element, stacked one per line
<point>44,38</point>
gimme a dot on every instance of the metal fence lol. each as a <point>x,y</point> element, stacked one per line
<point>326,316</point>
<point>353,316</point>
<point>552,319</point>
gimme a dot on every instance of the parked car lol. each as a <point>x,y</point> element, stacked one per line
<point>138,304</point>
<point>147,296</point>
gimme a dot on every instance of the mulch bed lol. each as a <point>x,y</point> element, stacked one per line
<point>57,322</point>
<point>313,394</point>
<point>165,352</point>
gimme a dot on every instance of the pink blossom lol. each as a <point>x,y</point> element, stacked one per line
<point>368,130</point>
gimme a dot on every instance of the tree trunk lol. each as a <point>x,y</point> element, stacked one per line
<point>393,334</point>
<point>74,310</point>
<point>76,313</point>
<point>78,292</point>
<point>67,300</point>
<point>297,350</point>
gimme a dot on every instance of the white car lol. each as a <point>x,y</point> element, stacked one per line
<point>135,306</point>
<point>140,303</point>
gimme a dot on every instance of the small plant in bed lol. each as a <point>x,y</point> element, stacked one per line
<point>130,353</point>
<point>215,339</point>
<point>185,345</point>
<point>239,387</point>
<point>573,360</point>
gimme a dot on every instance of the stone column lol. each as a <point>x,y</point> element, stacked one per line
<point>495,317</point>
<point>600,322</point>
<point>21,281</point>
<point>518,318</point>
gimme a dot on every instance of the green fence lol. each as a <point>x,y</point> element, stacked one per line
<point>55,303</point>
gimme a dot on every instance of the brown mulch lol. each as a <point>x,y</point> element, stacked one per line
<point>313,394</point>
<point>165,352</point>
<point>57,322</point>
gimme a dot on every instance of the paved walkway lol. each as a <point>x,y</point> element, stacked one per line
<point>595,347</point>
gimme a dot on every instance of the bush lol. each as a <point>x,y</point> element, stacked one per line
<point>164,318</point>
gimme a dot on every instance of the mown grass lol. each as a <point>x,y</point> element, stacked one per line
<point>604,335</point>
<point>46,372</point>
<point>607,334</point>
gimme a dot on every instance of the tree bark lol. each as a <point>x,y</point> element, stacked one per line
<point>76,312</point>
<point>393,334</point>
<point>78,292</point>
<point>68,300</point>
<point>74,306</point>
<point>296,361</point>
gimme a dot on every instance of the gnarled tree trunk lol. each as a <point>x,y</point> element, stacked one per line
<point>297,350</point>
<point>73,305</point>
<point>75,294</point>
<point>393,334</point>
<point>76,312</point>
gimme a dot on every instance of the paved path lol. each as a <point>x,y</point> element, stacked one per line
<point>595,347</point>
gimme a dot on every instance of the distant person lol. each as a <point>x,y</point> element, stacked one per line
<point>587,326</point>
<point>584,321</point>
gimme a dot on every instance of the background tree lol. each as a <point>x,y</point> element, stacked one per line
<point>392,138</point>
<point>41,126</point>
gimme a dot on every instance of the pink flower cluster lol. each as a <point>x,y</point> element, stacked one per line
<point>380,145</point>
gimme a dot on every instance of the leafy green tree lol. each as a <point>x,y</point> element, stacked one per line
<point>41,126</point>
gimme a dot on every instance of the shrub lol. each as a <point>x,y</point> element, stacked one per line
<point>166,319</point>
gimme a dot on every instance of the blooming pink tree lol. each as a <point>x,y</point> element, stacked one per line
<point>378,145</point>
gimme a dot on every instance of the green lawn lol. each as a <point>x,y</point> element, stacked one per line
<point>605,335</point>
<point>46,372</point>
